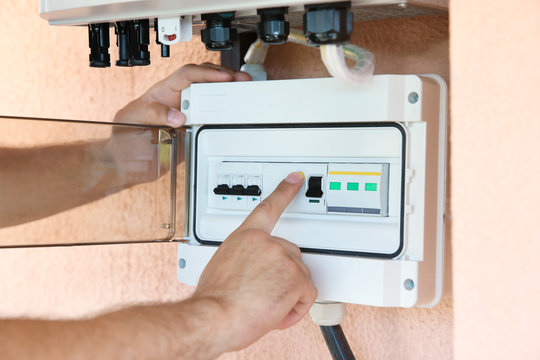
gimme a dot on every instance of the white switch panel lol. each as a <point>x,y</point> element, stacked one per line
<point>237,167</point>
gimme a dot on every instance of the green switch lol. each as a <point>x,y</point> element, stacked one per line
<point>335,186</point>
<point>352,186</point>
<point>371,187</point>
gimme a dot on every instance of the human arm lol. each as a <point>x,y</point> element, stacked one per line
<point>41,181</point>
<point>254,283</point>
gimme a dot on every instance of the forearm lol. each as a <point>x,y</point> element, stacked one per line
<point>193,329</point>
<point>39,182</point>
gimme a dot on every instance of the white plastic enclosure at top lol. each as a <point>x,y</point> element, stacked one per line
<point>369,218</point>
<point>77,12</point>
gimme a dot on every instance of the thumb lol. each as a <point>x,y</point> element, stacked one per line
<point>150,113</point>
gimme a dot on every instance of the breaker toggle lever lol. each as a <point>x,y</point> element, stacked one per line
<point>314,187</point>
<point>222,189</point>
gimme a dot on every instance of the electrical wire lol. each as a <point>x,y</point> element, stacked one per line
<point>337,343</point>
<point>328,315</point>
<point>333,57</point>
<point>254,60</point>
<point>256,52</point>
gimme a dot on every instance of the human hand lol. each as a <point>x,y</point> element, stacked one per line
<point>159,106</point>
<point>259,280</point>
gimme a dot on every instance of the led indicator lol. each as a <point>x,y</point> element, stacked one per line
<point>352,186</point>
<point>313,201</point>
<point>254,199</point>
<point>238,198</point>
<point>224,198</point>
<point>335,186</point>
<point>371,187</point>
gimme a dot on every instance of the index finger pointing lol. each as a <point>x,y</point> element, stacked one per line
<point>266,215</point>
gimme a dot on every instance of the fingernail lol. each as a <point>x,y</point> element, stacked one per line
<point>175,118</point>
<point>295,177</point>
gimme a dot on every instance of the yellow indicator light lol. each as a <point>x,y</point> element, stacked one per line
<point>354,173</point>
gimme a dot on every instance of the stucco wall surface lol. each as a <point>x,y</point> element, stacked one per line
<point>495,164</point>
<point>46,75</point>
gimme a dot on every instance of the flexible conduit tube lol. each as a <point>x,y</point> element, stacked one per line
<point>333,57</point>
<point>328,315</point>
<point>337,343</point>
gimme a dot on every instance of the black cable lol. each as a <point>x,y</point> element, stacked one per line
<point>337,343</point>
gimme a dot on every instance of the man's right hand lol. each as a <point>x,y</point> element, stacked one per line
<point>255,282</point>
<point>258,280</point>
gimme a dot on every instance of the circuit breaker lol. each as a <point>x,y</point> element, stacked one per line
<point>369,215</point>
<point>351,193</point>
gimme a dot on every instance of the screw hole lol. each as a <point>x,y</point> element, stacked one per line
<point>413,97</point>
<point>408,284</point>
<point>185,104</point>
<point>181,263</point>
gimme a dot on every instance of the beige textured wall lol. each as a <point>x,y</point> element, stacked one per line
<point>496,162</point>
<point>46,74</point>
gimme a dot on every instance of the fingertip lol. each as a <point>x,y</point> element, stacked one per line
<point>295,177</point>
<point>175,118</point>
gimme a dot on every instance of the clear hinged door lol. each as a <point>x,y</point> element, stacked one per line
<point>72,182</point>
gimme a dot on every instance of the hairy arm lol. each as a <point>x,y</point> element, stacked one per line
<point>255,282</point>
<point>192,329</point>
<point>42,181</point>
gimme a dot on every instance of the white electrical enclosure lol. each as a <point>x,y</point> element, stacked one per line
<point>369,218</point>
<point>82,12</point>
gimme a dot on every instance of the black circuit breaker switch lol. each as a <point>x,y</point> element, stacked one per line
<point>222,189</point>
<point>237,190</point>
<point>314,187</point>
<point>253,190</point>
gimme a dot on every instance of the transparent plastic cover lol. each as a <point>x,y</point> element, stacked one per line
<point>72,182</point>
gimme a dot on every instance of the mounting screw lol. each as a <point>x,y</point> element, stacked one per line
<point>181,263</point>
<point>408,284</point>
<point>413,97</point>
